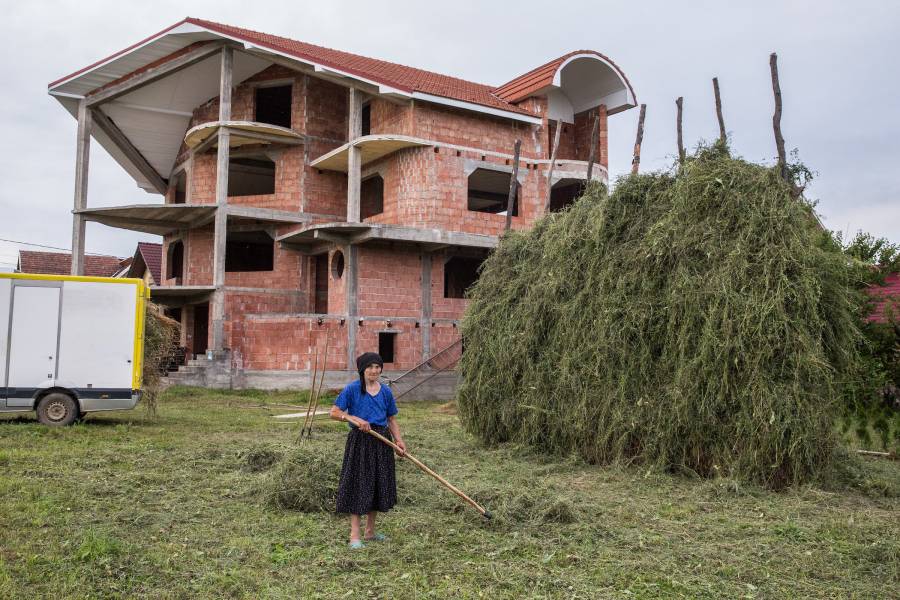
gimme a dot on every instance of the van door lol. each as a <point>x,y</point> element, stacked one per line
<point>34,333</point>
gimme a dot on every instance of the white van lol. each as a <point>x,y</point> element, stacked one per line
<point>70,345</point>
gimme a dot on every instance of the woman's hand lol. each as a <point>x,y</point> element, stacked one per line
<point>362,424</point>
<point>402,446</point>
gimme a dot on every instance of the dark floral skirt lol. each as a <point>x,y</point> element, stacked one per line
<point>368,481</point>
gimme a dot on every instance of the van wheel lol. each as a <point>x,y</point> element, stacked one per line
<point>57,409</point>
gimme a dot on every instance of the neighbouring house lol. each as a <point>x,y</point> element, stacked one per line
<point>60,263</point>
<point>146,263</point>
<point>885,300</point>
<point>308,193</point>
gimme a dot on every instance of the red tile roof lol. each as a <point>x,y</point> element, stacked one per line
<point>885,296</point>
<point>523,86</point>
<point>407,79</point>
<point>60,263</point>
<point>404,78</point>
<point>152,255</point>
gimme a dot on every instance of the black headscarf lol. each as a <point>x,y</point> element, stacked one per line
<point>366,359</point>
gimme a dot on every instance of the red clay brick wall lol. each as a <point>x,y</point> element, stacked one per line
<point>465,128</point>
<point>424,188</point>
<point>198,256</point>
<point>407,343</point>
<point>337,295</point>
<point>285,275</point>
<point>390,282</point>
<point>390,118</point>
<point>203,179</point>
<point>290,342</point>
<point>326,110</point>
<point>584,124</point>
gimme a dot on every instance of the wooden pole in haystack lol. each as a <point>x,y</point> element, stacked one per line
<point>594,133</point>
<point>776,118</point>
<point>722,134</point>
<point>552,165</point>
<point>636,161</point>
<point>513,186</point>
<point>680,104</point>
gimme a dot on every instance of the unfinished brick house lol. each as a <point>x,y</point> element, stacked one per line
<point>312,193</point>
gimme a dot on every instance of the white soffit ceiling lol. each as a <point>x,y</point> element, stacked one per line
<point>155,117</point>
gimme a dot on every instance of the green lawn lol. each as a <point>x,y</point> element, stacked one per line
<point>122,505</point>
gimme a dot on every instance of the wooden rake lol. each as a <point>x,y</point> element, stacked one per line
<point>484,513</point>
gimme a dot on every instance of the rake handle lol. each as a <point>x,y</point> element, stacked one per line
<point>484,513</point>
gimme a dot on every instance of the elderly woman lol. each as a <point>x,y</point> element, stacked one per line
<point>368,484</point>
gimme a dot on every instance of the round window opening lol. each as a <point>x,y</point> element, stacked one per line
<point>337,265</point>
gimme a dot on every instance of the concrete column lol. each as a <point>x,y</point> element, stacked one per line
<point>354,155</point>
<point>351,271</point>
<point>426,305</point>
<point>82,159</point>
<point>221,221</point>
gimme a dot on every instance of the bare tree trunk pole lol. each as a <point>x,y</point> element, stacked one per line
<point>552,165</point>
<point>636,161</point>
<point>513,186</point>
<point>594,133</point>
<point>722,135</point>
<point>776,118</point>
<point>680,104</point>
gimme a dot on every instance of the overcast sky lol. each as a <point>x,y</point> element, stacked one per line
<point>837,62</point>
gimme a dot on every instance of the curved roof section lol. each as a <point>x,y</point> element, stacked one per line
<point>547,74</point>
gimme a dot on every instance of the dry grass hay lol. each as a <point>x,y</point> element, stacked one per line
<point>697,320</point>
<point>261,458</point>
<point>306,478</point>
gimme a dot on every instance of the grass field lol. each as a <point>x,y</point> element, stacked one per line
<point>122,505</point>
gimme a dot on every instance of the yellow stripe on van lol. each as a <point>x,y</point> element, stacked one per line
<point>48,277</point>
<point>140,310</point>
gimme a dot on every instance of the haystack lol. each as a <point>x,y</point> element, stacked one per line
<point>697,320</point>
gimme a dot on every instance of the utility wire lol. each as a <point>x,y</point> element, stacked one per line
<point>53,247</point>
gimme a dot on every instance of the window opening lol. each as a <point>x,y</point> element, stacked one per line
<point>337,265</point>
<point>251,176</point>
<point>273,105</point>
<point>564,193</point>
<point>460,273</point>
<point>175,260</point>
<point>371,197</point>
<point>386,343</point>
<point>489,192</point>
<point>321,284</point>
<point>249,251</point>
<point>366,119</point>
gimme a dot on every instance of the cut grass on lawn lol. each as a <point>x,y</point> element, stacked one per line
<point>180,506</point>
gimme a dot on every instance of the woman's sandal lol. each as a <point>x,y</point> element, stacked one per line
<point>357,545</point>
<point>378,537</point>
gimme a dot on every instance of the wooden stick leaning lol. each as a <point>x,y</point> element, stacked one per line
<point>312,390</point>
<point>559,126</point>
<point>484,513</point>
<point>776,118</point>
<point>513,186</point>
<point>680,104</point>
<point>595,131</point>
<point>319,388</point>
<point>636,161</point>
<point>722,135</point>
